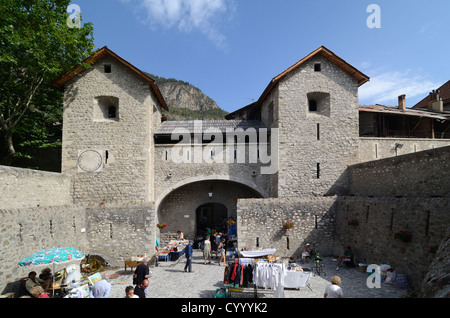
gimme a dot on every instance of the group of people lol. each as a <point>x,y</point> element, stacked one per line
<point>37,286</point>
<point>218,247</point>
<point>141,275</point>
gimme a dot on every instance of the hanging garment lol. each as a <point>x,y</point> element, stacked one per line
<point>225,275</point>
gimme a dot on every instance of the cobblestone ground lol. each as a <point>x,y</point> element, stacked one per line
<point>170,281</point>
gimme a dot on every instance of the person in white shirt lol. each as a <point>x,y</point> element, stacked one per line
<point>333,290</point>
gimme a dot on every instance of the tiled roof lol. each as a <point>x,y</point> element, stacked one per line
<point>201,126</point>
<point>98,56</point>
<point>444,93</point>
<point>427,113</point>
<point>322,51</point>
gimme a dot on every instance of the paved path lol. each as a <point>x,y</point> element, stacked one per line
<point>172,282</point>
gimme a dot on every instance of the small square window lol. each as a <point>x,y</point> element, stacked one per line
<point>317,67</point>
<point>312,105</point>
<point>107,68</point>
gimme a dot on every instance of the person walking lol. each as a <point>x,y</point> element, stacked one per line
<point>188,252</point>
<point>207,251</point>
<point>334,290</point>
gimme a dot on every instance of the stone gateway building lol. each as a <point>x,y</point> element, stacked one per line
<point>297,154</point>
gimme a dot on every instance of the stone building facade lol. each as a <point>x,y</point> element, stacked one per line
<point>294,155</point>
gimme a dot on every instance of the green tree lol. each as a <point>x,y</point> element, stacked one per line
<point>38,42</point>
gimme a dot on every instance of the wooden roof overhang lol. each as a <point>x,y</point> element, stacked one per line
<point>100,55</point>
<point>391,110</point>
<point>329,55</point>
<point>326,53</point>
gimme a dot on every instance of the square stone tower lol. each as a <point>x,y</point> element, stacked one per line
<point>110,112</point>
<point>314,106</point>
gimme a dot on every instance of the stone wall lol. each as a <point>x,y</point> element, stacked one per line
<point>260,222</point>
<point>410,193</point>
<point>380,148</point>
<point>113,232</point>
<point>315,147</point>
<point>170,175</point>
<point>421,174</point>
<point>119,232</point>
<point>28,230</point>
<point>21,188</point>
<point>380,218</point>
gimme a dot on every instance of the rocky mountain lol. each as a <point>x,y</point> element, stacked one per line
<point>187,102</point>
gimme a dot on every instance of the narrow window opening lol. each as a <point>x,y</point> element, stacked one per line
<point>427,224</point>
<point>112,110</point>
<point>20,232</point>
<point>110,230</point>
<point>317,67</point>
<point>287,242</point>
<point>74,225</point>
<point>391,226</point>
<point>315,222</point>
<point>312,105</point>
<point>318,171</point>
<point>167,155</point>
<point>106,156</point>
<point>318,131</point>
<point>107,68</point>
<point>51,228</point>
<point>106,107</point>
<point>257,242</point>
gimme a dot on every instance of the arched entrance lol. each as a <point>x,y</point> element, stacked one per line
<point>211,215</point>
<point>181,208</point>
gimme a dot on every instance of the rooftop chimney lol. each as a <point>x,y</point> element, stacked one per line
<point>438,104</point>
<point>435,101</point>
<point>402,102</point>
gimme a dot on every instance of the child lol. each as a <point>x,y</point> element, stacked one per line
<point>129,292</point>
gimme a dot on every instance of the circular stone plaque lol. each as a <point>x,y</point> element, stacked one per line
<point>90,160</point>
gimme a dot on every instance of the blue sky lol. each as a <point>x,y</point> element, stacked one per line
<point>231,49</point>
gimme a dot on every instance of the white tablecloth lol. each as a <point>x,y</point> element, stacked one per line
<point>296,279</point>
<point>257,253</point>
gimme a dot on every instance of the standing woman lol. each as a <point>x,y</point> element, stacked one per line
<point>207,251</point>
<point>221,249</point>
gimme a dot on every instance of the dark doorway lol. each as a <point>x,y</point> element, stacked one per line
<point>211,215</point>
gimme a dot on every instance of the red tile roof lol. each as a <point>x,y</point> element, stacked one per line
<point>444,93</point>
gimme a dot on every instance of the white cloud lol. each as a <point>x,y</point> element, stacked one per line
<point>187,16</point>
<point>386,87</point>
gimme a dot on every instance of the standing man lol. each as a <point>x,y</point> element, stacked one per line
<point>140,289</point>
<point>188,252</point>
<point>141,273</point>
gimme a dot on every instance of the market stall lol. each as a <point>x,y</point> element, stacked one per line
<point>259,269</point>
<point>172,251</point>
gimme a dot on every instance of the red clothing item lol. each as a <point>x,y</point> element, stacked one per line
<point>44,295</point>
<point>234,272</point>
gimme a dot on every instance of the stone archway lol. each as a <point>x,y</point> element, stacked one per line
<point>178,209</point>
